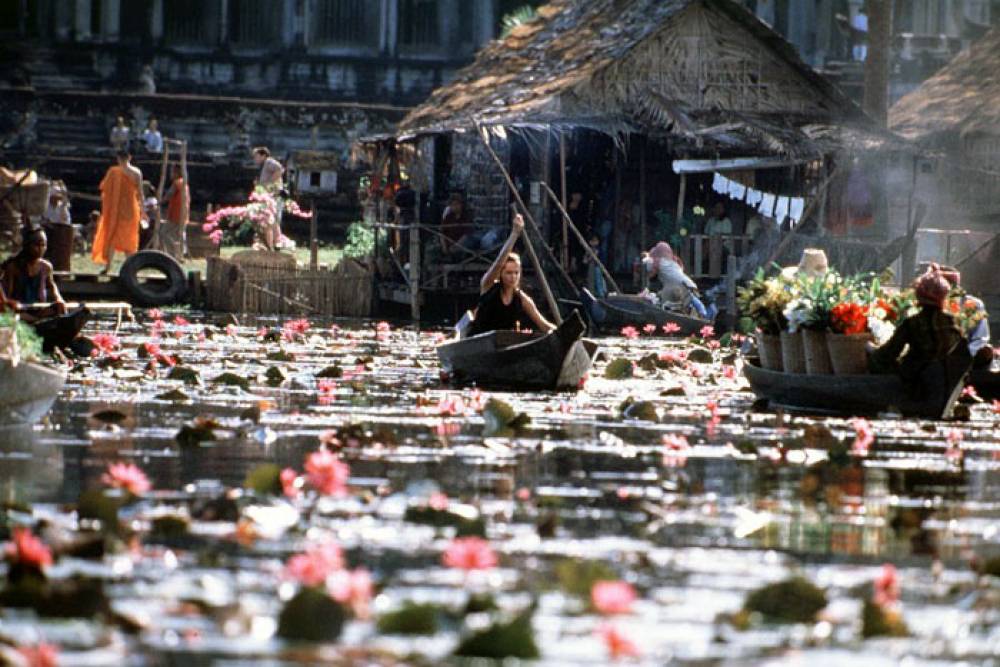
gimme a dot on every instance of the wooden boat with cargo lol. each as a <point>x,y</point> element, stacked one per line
<point>614,311</point>
<point>932,397</point>
<point>521,360</point>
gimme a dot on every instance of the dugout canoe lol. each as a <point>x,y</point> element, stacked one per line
<point>615,311</point>
<point>932,397</point>
<point>60,330</point>
<point>27,391</point>
<point>520,360</point>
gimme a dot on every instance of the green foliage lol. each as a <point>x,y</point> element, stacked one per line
<point>411,619</point>
<point>360,241</point>
<point>513,639</point>
<point>518,17</point>
<point>794,600</point>
<point>500,418</point>
<point>28,340</point>
<point>618,369</point>
<point>577,577</point>
<point>312,615</point>
<point>877,622</point>
<point>264,480</point>
<point>762,300</point>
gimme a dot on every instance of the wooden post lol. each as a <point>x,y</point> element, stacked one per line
<point>415,263</point>
<point>876,100</point>
<point>546,175</point>
<point>731,270</point>
<point>313,237</point>
<point>681,194</point>
<point>909,255</point>
<point>564,255</point>
<point>185,200</point>
<point>553,306</point>
<point>586,244</point>
<point>642,196</point>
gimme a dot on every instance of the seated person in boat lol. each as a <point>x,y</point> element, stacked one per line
<point>27,278</point>
<point>978,332</point>
<point>677,291</point>
<point>502,305</point>
<point>930,335</point>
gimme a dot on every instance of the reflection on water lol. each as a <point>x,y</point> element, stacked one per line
<point>750,484</point>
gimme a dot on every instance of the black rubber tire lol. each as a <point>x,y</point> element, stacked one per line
<point>144,294</point>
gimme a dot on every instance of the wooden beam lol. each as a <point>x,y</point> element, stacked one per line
<point>579,236</point>
<point>732,164</point>
<point>564,255</point>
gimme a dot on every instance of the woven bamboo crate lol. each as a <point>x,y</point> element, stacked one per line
<point>269,283</point>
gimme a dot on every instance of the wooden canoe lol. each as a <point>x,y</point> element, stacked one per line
<point>27,391</point>
<point>611,313</point>
<point>59,331</point>
<point>932,398</point>
<point>519,360</point>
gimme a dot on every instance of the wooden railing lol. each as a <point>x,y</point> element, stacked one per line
<point>706,256</point>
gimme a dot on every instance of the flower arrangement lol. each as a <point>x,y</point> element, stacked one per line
<point>849,318</point>
<point>964,309</point>
<point>258,214</point>
<point>763,301</point>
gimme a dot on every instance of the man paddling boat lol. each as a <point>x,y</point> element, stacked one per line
<point>502,304</point>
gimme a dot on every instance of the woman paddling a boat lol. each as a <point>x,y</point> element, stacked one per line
<point>502,304</point>
<point>27,278</point>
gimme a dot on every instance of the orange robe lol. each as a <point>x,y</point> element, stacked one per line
<point>118,228</point>
<point>175,206</point>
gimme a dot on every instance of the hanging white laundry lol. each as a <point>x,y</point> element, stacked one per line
<point>781,210</point>
<point>796,207</point>
<point>766,208</point>
<point>737,190</point>
<point>720,183</point>
<point>753,197</point>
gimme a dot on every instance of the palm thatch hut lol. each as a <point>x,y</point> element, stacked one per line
<point>639,106</point>
<point>954,117</point>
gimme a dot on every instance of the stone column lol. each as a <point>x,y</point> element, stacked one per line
<point>81,20</point>
<point>485,25</point>
<point>287,22</point>
<point>223,21</point>
<point>390,18</point>
<point>448,26</point>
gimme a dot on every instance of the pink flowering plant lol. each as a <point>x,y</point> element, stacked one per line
<point>260,213</point>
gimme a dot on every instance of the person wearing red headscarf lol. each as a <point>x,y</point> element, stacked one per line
<point>979,333</point>
<point>927,336</point>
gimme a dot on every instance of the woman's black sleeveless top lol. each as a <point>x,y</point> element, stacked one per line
<point>492,314</point>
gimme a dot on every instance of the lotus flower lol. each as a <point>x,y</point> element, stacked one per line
<point>327,473</point>
<point>126,476</point>
<point>39,655</point>
<point>289,483</point>
<point>316,564</point>
<point>864,436</point>
<point>352,588</point>
<point>618,645</point>
<point>707,331</point>
<point>630,332</point>
<point>26,549</point>
<point>671,328</point>
<point>469,553</point>
<point>886,587</point>
<point>612,597</point>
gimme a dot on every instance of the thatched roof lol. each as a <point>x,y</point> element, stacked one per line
<point>626,65</point>
<point>962,98</point>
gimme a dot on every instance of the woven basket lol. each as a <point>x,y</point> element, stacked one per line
<point>847,353</point>
<point>816,352</point>
<point>793,356</point>
<point>769,347</point>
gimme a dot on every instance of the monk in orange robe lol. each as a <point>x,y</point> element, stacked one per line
<point>121,212</point>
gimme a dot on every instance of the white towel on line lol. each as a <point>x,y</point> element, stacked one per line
<point>720,183</point>
<point>737,190</point>
<point>766,208</point>
<point>796,207</point>
<point>753,197</point>
<point>781,210</point>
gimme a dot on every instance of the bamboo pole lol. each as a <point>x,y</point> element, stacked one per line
<point>185,200</point>
<point>579,236</point>
<point>553,306</point>
<point>415,263</point>
<point>313,237</point>
<point>564,255</point>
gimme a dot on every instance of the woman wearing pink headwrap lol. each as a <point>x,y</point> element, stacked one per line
<point>676,289</point>
<point>979,333</point>
<point>930,335</point>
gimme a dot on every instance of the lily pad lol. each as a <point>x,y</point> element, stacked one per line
<point>184,374</point>
<point>311,615</point>
<point>173,395</point>
<point>499,416</point>
<point>411,619</point>
<point>111,416</point>
<point>794,600</point>
<point>700,355</point>
<point>641,410</point>
<point>513,639</point>
<point>280,355</point>
<point>275,376</point>
<point>232,380</point>
<point>618,369</point>
<point>879,622</point>
<point>334,371</point>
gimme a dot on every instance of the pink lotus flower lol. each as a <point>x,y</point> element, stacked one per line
<point>618,645</point>
<point>39,655</point>
<point>954,451</point>
<point>864,436</point>
<point>649,329</point>
<point>676,450</point>
<point>290,484</point>
<point>707,331</point>
<point>126,476</point>
<point>327,473</point>
<point>476,401</point>
<point>469,553</point>
<point>352,588</point>
<point>155,313</point>
<point>26,549</point>
<point>729,372</point>
<point>524,494</point>
<point>230,330</point>
<point>673,357</point>
<point>970,392</point>
<point>886,587</point>
<point>671,328</point>
<point>445,428</point>
<point>438,501</point>
<point>451,406</point>
<point>712,423</point>
<point>327,390</point>
<point>316,564</point>
<point>630,332</point>
<point>294,329</point>
<point>612,597</point>
<point>181,321</point>
<point>105,342</point>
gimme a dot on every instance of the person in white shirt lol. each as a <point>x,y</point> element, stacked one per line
<point>152,138</point>
<point>120,135</point>
<point>58,209</point>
